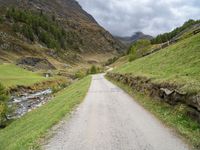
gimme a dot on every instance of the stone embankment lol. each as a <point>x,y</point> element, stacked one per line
<point>164,92</point>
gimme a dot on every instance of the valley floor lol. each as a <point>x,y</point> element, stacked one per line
<point>109,119</point>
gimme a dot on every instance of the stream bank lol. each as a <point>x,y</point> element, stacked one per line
<point>24,99</point>
<point>26,102</point>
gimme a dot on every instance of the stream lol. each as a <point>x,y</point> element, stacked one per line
<point>27,102</point>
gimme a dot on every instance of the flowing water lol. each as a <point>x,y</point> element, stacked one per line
<point>27,102</point>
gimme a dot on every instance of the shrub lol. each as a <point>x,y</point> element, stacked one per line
<point>132,57</point>
<point>27,31</point>
<point>111,61</point>
<point>80,74</point>
<point>1,19</point>
<point>94,70</point>
<point>3,105</point>
<point>138,49</point>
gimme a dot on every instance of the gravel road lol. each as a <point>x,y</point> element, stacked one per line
<point>109,119</point>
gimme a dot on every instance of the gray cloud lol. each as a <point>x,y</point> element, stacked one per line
<point>124,17</point>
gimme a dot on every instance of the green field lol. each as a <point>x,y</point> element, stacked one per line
<point>24,133</point>
<point>11,75</point>
<point>177,64</point>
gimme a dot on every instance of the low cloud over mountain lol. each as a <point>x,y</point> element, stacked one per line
<point>123,18</point>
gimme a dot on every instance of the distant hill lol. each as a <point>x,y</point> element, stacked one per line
<point>136,36</point>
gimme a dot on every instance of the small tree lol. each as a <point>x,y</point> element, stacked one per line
<point>1,19</point>
<point>79,74</point>
<point>3,104</point>
<point>16,27</point>
<point>139,48</point>
<point>93,70</point>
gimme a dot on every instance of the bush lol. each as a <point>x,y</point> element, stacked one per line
<point>1,19</point>
<point>111,61</point>
<point>94,70</point>
<point>80,74</point>
<point>27,31</point>
<point>138,49</point>
<point>3,105</point>
<point>132,57</point>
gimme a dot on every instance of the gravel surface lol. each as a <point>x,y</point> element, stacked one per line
<point>109,119</point>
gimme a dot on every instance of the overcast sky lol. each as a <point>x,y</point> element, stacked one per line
<point>124,17</point>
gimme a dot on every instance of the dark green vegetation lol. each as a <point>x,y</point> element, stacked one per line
<point>111,61</point>
<point>178,64</point>
<point>36,25</point>
<point>80,74</point>
<point>1,19</point>
<point>94,70</point>
<point>3,105</point>
<point>175,117</point>
<point>25,132</point>
<point>168,36</point>
<point>138,49</point>
<point>83,73</point>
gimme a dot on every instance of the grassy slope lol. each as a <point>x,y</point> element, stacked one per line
<point>179,63</point>
<point>173,117</point>
<point>25,132</point>
<point>11,75</point>
<point>121,61</point>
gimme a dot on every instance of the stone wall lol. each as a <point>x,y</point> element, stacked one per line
<point>164,92</point>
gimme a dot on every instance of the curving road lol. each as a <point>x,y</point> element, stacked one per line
<point>109,119</point>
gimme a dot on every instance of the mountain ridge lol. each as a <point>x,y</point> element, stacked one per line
<point>128,40</point>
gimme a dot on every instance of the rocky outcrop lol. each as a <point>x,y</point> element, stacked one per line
<point>164,92</point>
<point>35,63</point>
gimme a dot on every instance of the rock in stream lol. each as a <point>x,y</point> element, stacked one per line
<point>26,102</point>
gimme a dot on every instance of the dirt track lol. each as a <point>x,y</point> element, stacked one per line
<point>109,119</point>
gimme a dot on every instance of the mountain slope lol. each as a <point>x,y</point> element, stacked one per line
<point>83,34</point>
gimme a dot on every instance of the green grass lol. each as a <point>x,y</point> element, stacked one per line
<point>179,64</point>
<point>24,133</point>
<point>173,117</point>
<point>11,75</point>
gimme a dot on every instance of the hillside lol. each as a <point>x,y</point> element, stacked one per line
<point>66,35</point>
<point>184,31</point>
<point>166,65</point>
